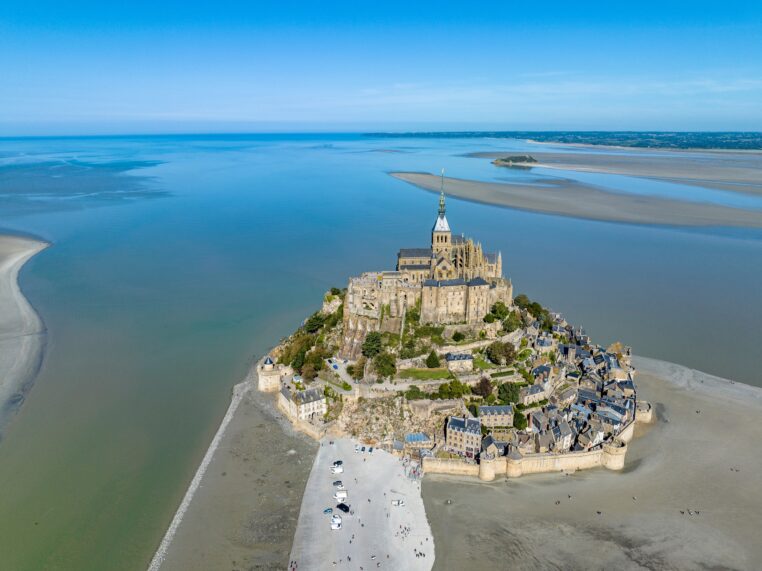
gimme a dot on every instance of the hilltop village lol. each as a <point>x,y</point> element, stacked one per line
<point>438,361</point>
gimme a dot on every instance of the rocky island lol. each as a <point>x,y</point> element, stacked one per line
<point>517,161</point>
<point>437,361</point>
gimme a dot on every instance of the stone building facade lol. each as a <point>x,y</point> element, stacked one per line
<point>452,281</point>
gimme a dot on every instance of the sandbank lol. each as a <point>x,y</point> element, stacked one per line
<point>383,534</point>
<point>730,171</point>
<point>564,197</point>
<point>241,513</point>
<point>21,329</point>
<point>701,454</point>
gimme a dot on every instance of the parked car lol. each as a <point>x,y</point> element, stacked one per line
<point>362,449</point>
<point>337,469</point>
<point>357,448</point>
<point>370,450</point>
<point>398,503</point>
<point>336,522</point>
<point>328,511</point>
<point>338,463</point>
<point>340,495</point>
<point>343,507</point>
<point>336,367</point>
<point>338,483</point>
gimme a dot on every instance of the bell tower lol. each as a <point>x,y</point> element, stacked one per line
<point>441,237</point>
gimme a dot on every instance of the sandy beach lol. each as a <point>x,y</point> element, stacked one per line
<point>565,197</point>
<point>688,497</point>
<point>727,170</point>
<point>244,512</point>
<point>21,329</point>
<point>375,534</point>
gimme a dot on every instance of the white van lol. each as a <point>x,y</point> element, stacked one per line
<point>340,495</point>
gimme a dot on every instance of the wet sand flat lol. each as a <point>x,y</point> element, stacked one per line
<point>732,171</point>
<point>564,197</point>
<point>707,462</point>
<point>21,330</point>
<point>244,514</point>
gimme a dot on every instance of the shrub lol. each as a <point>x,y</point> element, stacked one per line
<point>519,421</point>
<point>346,386</point>
<point>500,310</point>
<point>432,361</point>
<point>458,336</point>
<point>489,318</point>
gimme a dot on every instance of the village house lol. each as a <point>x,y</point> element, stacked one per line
<point>303,405</point>
<point>493,416</point>
<point>459,362</point>
<point>464,436</point>
<point>531,394</point>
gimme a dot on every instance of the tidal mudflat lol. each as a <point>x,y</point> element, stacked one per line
<point>687,499</point>
<point>244,513</point>
<point>737,171</point>
<point>21,329</point>
<point>567,197</point>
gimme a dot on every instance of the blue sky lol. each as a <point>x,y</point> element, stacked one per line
<point>163,66</point>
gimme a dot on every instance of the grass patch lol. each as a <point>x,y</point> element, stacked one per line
<point>503,373</point>
<point>481,363</point>
<point>425,374</point>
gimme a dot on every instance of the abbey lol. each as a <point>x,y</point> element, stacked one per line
<point>452,282</point>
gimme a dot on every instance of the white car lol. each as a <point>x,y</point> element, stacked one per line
<point>398,503</point>
<point>357,448</point>
<point>340,495</point>
<point>337,469</point>
<point>336,522</point>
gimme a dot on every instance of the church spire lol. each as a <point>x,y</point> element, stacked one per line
<point>442,197</point>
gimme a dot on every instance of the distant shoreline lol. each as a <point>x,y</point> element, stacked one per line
<point>22,331</point>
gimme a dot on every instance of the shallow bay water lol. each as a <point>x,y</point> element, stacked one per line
<point>164,278</point>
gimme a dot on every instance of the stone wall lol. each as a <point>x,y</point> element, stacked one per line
<point>450,467</point>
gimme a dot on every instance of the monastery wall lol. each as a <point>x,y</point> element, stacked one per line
<point>449,467</point>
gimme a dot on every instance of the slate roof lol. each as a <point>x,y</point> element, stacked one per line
<point>477,282</point>
<point>441,225</point>
<point>415,253</point>
<point>498,409</point>
<point>415,267</point>
<point>444,283</point>
<point>458,357</point>
<point>471,425</point>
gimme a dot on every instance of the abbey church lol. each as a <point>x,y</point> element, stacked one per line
<point>453,282</point>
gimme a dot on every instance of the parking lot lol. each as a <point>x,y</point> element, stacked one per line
<point>375,533</point>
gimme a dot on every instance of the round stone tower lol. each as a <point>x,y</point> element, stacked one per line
<point>613,454</point>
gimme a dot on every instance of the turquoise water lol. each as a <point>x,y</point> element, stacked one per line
<point>176,259</point>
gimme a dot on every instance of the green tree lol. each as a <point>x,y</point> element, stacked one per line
<point>314,323</point>
<point>501,353</point>
<point>489,318</point>
<point>432,361</point>
<point>357,370</point>
<point>519,421</point>
<point>500,310</point>
<point>372,344</point>
<point>458,336</point>
<point>414,393</point>
<point>308,372</point>
<point>385,365</point>
<point>483,388</point>
<point>508,393</point>
<point>512,322</point>
<point>335,291</point>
